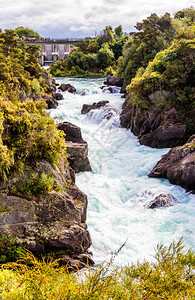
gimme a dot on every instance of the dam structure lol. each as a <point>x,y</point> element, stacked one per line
<point>53,49</point>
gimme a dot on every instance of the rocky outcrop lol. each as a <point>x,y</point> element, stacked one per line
<point>72,132</point>
<point>78,156</point>
<point>155,127</point>
<point>51,103</point>
<point>76,147</point>
<point>111,80</point>
<point>87,107</point>
<point>76,261</point>
<point>47,221</point>
<point>178,166</point>
<point>57,96</point>
<point>163,200</point>
<point>123,89</point>
<point>67,88</point>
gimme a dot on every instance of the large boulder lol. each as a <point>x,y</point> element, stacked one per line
<point>87,107</point>
<point>57,96</point>
<point>72,132</point>
<point>111,80</point>
<point>50,220</point>
<point>51,103</point>
<point>178,166</point>
<point>123,89</point>
<point>78,156</point>
<point>67,88</point>
<point>163,200</point>
<point>76,147</point>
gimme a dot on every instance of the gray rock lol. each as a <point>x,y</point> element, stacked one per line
<point>76,147</point>
<point>78,156</point>
<point>57,96</point>
<point>51,103</point>
<point>87,107</point>
<point>163,200</point>
<point>178,166</point>
<point>155,127</point>
<point>111,80</point>
<point>52,220</point>
<point>72,132</point>
<point>84,92</point>
<point>67,88</point>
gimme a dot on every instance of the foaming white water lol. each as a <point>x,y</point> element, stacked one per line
<point>118,188</point>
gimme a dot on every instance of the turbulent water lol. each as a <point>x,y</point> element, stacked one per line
<point>118,188</point>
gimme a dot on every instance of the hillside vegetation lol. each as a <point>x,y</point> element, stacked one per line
<point>158,68</point>
<point>26,130</point>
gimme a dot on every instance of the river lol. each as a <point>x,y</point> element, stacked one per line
<point>118,187</point>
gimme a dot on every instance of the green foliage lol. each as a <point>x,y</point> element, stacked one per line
<point>171,70</point>
<point>36,184</point>
<point>117,47</point>
<point>30,134</point>
<point>19,68</point>
<point>153,34</point>
<point>186,15</point>
<point>9,250</point>
<point>106,37</point>
<point>105,56</point>
<point>26,32</point>
<point>118,31</point>
<point>93,46</point>
<point>170,277</point>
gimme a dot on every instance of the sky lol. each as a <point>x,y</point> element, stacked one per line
<point>80,18</point>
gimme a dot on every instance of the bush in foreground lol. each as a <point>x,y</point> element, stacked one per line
<point>171,276</point>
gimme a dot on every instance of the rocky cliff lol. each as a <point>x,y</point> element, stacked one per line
<point>43,209</point>
<point>178,166</point>
<point>158,126</point>
<point>45,220</point>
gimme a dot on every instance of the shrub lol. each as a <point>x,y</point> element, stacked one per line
<point>9,250</point>
<point>30,134</point>
<point>171,277</point>
<point>36,184</point>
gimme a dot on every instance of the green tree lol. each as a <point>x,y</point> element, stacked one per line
<point>106,37</point>
<point>105,56</point>
<point>153,34</point>
<point>118,32</point>
<point>83,46</point>
<point>93,46</point>
<point>26,32</point>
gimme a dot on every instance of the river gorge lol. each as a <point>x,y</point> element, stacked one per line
<point>118,188</point>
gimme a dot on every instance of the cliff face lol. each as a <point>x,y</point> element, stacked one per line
<point>45,221</point>
<point>159,126</point>
<point>178,166</point>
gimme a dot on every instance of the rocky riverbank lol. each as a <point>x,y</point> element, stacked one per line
<point>49,222</point>
<point>178,166</point>
<point>161,126</point>
<point>42,209</point>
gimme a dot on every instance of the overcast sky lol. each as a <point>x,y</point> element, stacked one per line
<point>79,18</point>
